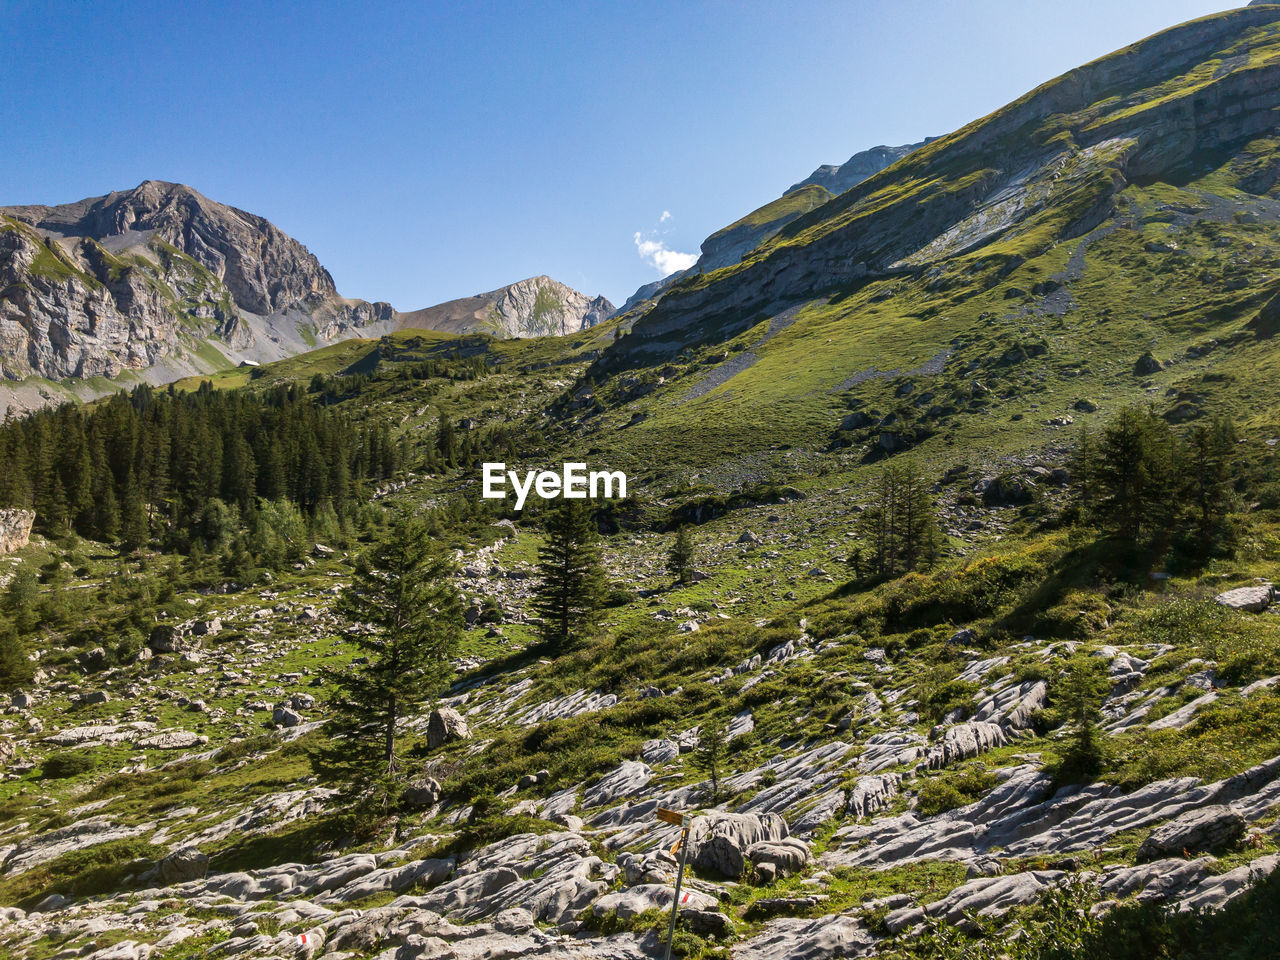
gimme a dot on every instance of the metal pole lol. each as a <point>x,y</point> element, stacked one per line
<point>675,904</point>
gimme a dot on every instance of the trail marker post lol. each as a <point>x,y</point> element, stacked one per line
<point>680,820</point>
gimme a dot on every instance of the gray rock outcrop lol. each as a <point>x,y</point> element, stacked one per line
<point>15,529</point>
<point>963,742</point>
<point>1247,599</point>
<point>107,284</point>
<point>1204,830</point>
<point>444,725</point>
<point>719,841</point>
<point>183,865</point>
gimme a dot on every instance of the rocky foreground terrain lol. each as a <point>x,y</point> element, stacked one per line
<point>819,844</point>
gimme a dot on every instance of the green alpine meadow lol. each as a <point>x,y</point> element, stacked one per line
<point>937,617</point>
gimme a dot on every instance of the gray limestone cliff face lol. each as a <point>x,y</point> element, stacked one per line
<point>122,282</point>
<point>264,270</point>
<point>15,529</point>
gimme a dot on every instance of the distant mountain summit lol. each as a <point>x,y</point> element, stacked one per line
<point>731,244</point>
<point>537,307</point>
<point>264,270</point>
<point>836,178</point>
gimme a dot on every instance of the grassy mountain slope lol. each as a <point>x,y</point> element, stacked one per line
<point>1003,190</point>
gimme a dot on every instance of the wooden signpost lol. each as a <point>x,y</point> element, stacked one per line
<point>676,818</point>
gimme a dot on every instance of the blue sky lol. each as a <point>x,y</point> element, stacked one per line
<point>425,151</point>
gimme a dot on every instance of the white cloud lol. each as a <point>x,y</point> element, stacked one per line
<point>666,215</point>
<point>655,253</point>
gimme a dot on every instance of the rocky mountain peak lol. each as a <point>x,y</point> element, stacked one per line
<point>534,307</point>
<point>839,177</point>
<point>265,270</point>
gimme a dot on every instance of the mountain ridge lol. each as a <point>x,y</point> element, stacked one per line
<point>947,197</point>
<point>159,282</point>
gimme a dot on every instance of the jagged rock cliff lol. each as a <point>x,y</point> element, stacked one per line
<point>535,307</point>
<point>124,281</point>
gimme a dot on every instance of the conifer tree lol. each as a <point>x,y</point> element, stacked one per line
<point>709,758</point>
<point>15,666</point>
<point>21,597</point>
<point>1206,472</point>
<point>406,620</point>
<point>134,529</point>
<point>571,574</point>
<point>1079,697</point>
<point>680,559</point>
<point>900,526</point>
<point>1133,474</point>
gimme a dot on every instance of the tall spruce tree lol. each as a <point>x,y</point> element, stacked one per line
<point>406,619</point>
<point>1206,472</point>
<point>571,574</point>
<point>1133,474</point>
<point>899,527</point>
<point>680,559</point>
<point>16,668</point>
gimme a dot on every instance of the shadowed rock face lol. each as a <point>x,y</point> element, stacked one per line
<point>1047,167</point>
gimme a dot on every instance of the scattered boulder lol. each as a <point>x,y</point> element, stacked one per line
<point>15,529</point>
<point>183,865</point>
<point>720,841</point>
<point>1146,365</point>
<point>167,638</point>
<point>422,794</point>
<point>1247,599</point>
<point>284,716</point>
<point>93,660</point>
<point>706,923</point>
<point>774,859</point>
<point>1204,830</point>
<point>446,724</point>
<point>657,867</point>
